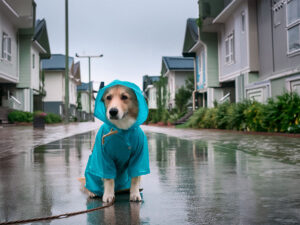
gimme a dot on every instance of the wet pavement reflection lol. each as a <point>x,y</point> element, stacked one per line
<point>192,181</point>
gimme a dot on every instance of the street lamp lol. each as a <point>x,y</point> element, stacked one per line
<point>90,89</point>
<point>67,63</point>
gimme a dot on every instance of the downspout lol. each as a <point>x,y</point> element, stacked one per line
<point>195,85</point>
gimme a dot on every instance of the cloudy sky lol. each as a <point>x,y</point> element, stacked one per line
<point>132,35</point>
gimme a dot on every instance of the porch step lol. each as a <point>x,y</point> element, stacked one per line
<point>185,118</point>
<point>4,111</point>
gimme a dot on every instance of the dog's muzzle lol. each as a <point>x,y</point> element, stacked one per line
<point>113,113</point>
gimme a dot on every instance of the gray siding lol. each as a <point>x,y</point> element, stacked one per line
<point>52,107</point>
<point>272,35</point>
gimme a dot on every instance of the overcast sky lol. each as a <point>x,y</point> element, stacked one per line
<point>132,35</point>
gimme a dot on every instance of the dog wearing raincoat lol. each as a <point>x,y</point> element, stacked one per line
<point>120,153</point>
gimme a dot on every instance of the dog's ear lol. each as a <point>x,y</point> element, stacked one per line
<point>104,94</point>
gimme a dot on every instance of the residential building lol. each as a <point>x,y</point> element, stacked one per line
<point>238,47</point>
<point>83,91</point>
<point>23,43</point>
<point>279,49</point>
<point>201,43</point>
<point>258,47</point>
<point>177,70</point>
<point>149,90</point>
<point>54,75</point>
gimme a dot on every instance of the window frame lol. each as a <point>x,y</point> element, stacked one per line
<point>290,26</point>
<point>243,21</point>
<point>6,47</point>
<point>230,57</point>
<point>33,60</point>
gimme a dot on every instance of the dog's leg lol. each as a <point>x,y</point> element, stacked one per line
<point>134,189</point>
<point>109,190</point>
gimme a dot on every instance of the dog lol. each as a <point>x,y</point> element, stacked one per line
<point>120,154</point>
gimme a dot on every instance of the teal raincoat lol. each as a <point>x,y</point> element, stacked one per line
<point>122,155</point>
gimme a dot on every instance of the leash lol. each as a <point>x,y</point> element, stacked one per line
<point>61,216</point>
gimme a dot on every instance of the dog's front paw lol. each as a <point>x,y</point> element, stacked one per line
<point>108,198</point>
<point>135,197</point>
<point>91,194</point>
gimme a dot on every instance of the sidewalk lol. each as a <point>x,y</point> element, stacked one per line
<point>21,139</point>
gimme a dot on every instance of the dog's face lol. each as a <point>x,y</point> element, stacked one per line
<point>121,106</point>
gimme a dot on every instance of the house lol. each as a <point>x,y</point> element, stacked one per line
<point>201,43</point>
<point>258,47</point>
<point>32,50</point>
<point>176,70</point>
<point>54,76</point>
<point>278,24</point>
<point>149,90</point>
<point>83,91</point>
<point>238,47</point>
<point>23,42</point>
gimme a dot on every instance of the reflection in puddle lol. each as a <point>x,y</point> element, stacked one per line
<point>191,182</point>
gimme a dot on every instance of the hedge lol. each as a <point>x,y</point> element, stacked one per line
<point>20,116</point>
<point>281,114</point>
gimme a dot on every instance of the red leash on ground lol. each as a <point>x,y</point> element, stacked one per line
<point>61,216</point>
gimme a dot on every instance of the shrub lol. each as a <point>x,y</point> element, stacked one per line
<point>196,118</point>
<point>209,118</point>
<point>221,115</point>
<point>151,115</point>
<point>254,116</point>
<point>279,115</point>
<point>52,118</point>
<point>283,113</point>
<point>20,116</point>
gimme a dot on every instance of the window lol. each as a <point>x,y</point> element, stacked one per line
<point>33,61</point>
<point>243,21</point>
<point>229,49</point>
<point>293,25</point>
<point>6,47</point>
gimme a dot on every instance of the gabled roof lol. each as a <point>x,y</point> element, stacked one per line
<point>191,36</point>
<point>177,63</point>
<point>148,80</point>
<point>56,62</point>
<point>84,86</point>
<point>41,36</point>
<point>77,73</point>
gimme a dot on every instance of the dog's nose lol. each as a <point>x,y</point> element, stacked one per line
<point>113,112</point>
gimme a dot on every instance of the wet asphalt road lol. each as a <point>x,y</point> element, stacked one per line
<point>197,177</point>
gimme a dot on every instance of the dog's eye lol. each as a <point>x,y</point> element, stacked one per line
<point>108,97</point>
<point>124,97</point>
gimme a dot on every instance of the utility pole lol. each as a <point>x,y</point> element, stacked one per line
<point>90,86</point>
<point>67,64</point>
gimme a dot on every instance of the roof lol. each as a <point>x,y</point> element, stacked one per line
<point>56,62</point>
<point>148,80</point>
<point>84,86</point>
<point>77,73</point>
<point>41,36</point>
<point>178,63</point>
<point>191,35</point>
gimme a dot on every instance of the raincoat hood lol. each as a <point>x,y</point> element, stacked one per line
<point>100,109</point>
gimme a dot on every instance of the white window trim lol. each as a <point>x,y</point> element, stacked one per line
<point>5,51</point>
<point>243,25</point>
<point>288,27</point>
<point>33,60</point>
<point>231,52</point>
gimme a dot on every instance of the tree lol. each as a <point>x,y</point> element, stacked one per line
<point>184,94</point>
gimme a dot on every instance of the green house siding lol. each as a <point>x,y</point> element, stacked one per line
<point>210,8</point>
<point>278,87</point>
<point>25,61</point>
<point>211,42</point>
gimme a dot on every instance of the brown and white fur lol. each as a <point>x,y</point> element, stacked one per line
<point>121,110</point>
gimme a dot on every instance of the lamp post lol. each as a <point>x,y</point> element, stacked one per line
<point>90,88</point>
<point>67,63</point>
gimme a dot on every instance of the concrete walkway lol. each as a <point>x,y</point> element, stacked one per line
<point>21,139</point>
